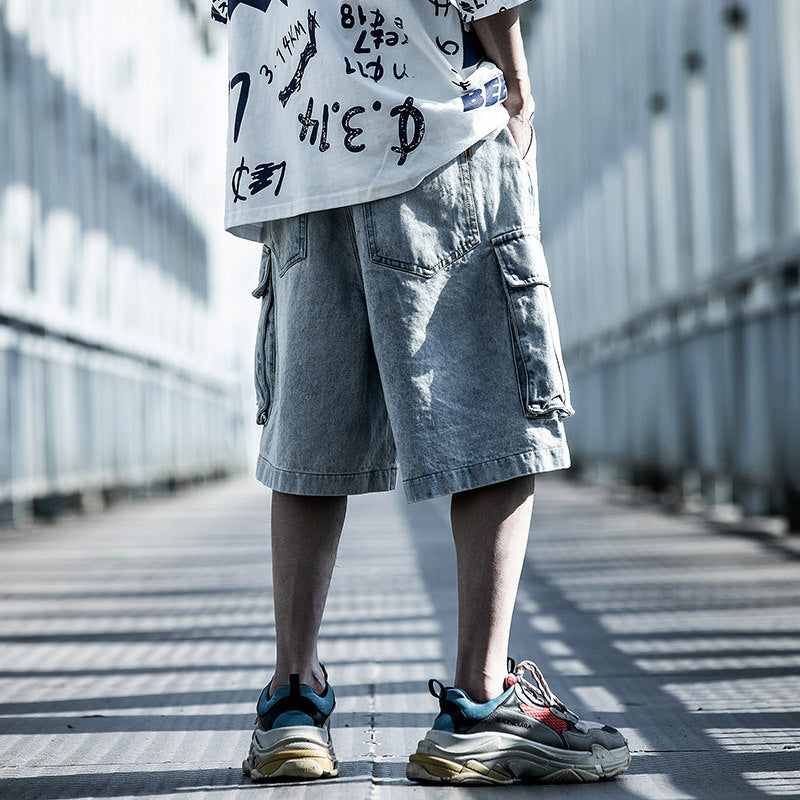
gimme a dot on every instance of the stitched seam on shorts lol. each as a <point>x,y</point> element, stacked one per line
<point>516,343</point>
<point>352,227</point>
<point>416,269</point>
<point>327,474</point>
<point>487,461</point>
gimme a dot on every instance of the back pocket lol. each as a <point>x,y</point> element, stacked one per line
<point>426,228</point>
<point>534,331</point>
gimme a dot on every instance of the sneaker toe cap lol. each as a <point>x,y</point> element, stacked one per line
<point>606,736</point>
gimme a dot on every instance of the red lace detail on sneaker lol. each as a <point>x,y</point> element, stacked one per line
<point>509,681</point>
<point>544,715</point>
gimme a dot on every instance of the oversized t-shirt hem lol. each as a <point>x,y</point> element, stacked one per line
<point>339,105</point>
<point>247,223</point>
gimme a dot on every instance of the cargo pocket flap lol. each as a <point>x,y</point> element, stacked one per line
<point>521,258</point>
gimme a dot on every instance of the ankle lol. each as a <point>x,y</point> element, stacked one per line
<point>312,675</point>
<point>480,688</point>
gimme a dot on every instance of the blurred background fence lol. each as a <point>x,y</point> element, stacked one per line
<point>110,377</point>
<point>669,163</point>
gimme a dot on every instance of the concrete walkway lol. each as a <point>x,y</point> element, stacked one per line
<point>133,645</point>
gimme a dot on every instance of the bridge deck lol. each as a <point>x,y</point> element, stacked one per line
<point>135,642</point>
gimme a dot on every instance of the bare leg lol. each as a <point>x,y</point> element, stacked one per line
<point>490,529</point>
<point>305,538</point>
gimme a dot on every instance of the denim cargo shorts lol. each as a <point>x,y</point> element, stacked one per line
<point>417,330</point>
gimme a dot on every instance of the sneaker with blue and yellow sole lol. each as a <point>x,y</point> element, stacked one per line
<point>292,739</point>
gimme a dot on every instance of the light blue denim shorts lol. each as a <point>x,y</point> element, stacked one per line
<point>416,330</point>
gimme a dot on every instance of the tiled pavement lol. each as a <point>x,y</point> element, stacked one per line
<point>134,643</point>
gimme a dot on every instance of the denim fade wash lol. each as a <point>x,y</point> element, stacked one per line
<point>417,330</point>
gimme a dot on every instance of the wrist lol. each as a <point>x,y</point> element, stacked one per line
<point>515,106</point>
<point>518,90</point>
<point>517,103</point>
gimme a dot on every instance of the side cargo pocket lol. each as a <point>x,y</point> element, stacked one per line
<point>265,338</point>
<point>534,331</point>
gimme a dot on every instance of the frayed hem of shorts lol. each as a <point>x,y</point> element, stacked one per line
<point>322,484</point>
<point>485,473</point>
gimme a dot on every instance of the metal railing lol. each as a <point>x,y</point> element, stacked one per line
<point>670,184</point>
<point>108,373</point>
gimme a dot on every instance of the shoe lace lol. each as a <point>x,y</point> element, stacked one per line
<point>538,689</point>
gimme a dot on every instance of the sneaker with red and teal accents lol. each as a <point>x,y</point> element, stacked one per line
<point>525,735</point>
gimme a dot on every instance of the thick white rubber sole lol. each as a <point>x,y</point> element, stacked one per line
<point>301,752</point>
<point>498,759</point>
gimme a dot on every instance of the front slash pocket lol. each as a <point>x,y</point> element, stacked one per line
<point>532,320</point>
<point>426,228</point>
<point>265,338</point>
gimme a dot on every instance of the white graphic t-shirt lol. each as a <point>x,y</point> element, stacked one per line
<point>335,103</point>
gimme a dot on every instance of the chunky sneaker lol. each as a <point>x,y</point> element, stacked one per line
<point>292,738</point>
<point>525,734</point>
